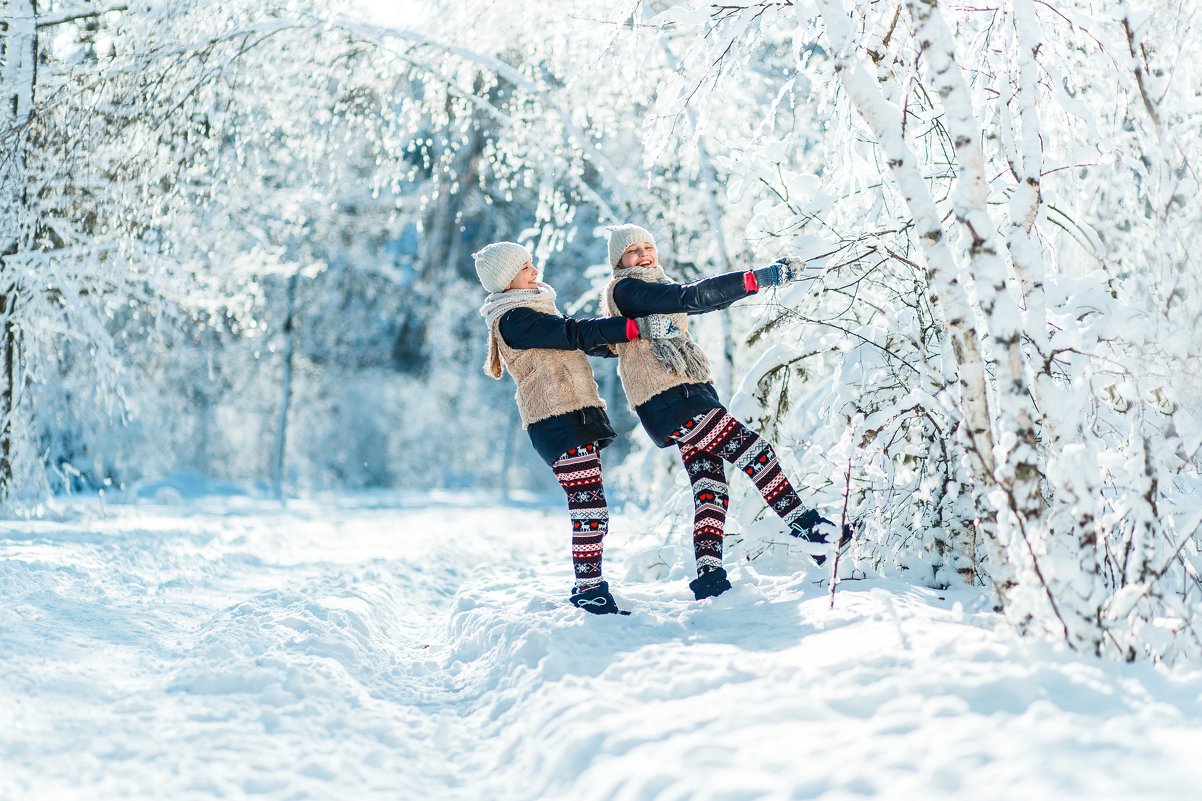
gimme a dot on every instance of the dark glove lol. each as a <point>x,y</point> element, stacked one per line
<point>781,271</point>
<point>657,326</point>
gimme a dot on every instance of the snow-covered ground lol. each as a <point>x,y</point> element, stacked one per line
<point>420,647</point>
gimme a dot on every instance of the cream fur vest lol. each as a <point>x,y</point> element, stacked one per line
<point>550,382</point>
<point>642,376</point>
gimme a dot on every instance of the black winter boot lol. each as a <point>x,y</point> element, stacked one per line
<point>817,531</point>
<point>710,584</point>
<point>597,600</point>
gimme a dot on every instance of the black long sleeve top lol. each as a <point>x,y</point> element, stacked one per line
<point>635,298</point>
<point>526,328</point>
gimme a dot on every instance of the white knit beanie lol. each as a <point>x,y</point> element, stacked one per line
<point>622,237</point>
<point>499,263</point>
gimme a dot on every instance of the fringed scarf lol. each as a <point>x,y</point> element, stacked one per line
<point>679,355</point>
<point>498,303</point>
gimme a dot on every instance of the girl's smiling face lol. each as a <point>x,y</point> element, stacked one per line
<point>640,254</point>
<point>526,278</point>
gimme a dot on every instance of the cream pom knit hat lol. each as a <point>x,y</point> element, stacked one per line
<point>499,263</point>
<point>622,237</point>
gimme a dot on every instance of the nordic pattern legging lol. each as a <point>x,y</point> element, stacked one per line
<point>579,473</point>
<point>708,440</point>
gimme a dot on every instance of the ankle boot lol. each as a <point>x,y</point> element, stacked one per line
<point>710,584</point>
<point>597,600</point>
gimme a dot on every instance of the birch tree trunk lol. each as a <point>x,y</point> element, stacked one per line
<point>1026,165</point>
<point>281,439</point>
<point>20,45</point>
<point>948,297</point>
<point>511,427</point>
<point>1018,471</point>
<point>1062,426</point>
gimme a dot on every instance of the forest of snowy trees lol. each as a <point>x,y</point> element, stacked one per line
<point>235,238</point>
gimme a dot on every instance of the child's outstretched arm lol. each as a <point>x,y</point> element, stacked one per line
<point>526,328</point>
<point>638,298</point>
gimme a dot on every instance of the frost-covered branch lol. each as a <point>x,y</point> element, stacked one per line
<point>574,135</point>
<point>74,13</point>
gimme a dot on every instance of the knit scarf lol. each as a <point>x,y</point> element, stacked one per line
<point>498,304</point>
<point>679,355</point>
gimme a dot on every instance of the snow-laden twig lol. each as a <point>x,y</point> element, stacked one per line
<point>843,523</point>
<point>77,12</point>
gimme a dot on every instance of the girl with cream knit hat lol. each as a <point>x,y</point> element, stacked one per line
<point>669,385</point>
<point>557,396</point>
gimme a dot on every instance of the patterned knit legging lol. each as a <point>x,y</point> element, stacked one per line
<point>579,473</point>
<point>708,440</point>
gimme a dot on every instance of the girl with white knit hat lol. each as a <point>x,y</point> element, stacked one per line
<point>669,385</point>
<point>557,396</point>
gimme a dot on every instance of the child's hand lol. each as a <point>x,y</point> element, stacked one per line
<point>781,271</point>
<point>657,326</point>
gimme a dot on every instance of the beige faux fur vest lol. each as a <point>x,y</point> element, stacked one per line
<point>550,382</point>
<point>642,376</point>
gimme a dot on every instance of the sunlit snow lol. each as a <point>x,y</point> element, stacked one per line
<point>420,647</point>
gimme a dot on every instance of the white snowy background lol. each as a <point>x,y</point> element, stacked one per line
<point>267,531</point>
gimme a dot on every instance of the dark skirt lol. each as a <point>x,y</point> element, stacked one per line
<point>555,436</point>
<point>667,411</point>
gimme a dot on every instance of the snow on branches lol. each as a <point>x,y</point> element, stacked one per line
<point>1008,318</point>
<point>1018,333</point>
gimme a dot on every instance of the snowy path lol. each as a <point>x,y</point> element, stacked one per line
<point>359,649</point>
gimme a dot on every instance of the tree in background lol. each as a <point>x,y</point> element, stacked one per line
<point>179,226</point>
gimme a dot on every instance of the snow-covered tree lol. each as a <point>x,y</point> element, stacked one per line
<point>189,179</point>
<point>1002,201</point>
